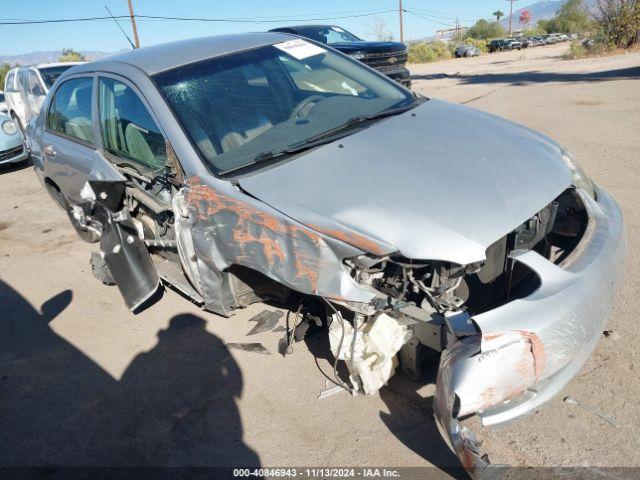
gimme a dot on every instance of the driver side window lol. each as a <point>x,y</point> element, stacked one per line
<point>128,130</point>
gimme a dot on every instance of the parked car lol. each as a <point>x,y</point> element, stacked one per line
<point>514,44</point>
<point>467,51</point>
<point>499,45</point>
<point>12,149</point>
<point>253,166</point>
<point>3,105</point>
<point>26,87</point>
<point>388,58</point>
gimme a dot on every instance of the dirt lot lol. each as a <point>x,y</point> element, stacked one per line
<point>85,382</point>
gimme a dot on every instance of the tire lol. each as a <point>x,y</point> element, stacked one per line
<point>86,235</point>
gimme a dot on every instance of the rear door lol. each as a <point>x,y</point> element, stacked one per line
<point>69,143</point>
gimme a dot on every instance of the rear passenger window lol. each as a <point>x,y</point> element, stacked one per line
<point>9,83</point>
<point>70,111</point>
<point>128,130</point>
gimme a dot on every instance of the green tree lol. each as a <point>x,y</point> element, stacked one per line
<point>483,30</point>
<point>70,55</point>
<point>4,69</point>
<point>498,14</point>
<point>572,17</point>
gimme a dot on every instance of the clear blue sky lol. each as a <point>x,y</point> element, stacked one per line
<point>104,35</point>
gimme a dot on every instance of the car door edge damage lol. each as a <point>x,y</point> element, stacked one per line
<point>513,298</point>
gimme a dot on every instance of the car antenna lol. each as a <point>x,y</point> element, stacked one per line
<point>120,27</point>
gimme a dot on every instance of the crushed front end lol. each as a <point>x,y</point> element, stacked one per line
<point>512,330</point>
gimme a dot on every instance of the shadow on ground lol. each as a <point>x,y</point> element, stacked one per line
<point>14,167</point>
<point>526,78</point>
<point>174,406</point>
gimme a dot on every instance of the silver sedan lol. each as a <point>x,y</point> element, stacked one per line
<point>246,167</point>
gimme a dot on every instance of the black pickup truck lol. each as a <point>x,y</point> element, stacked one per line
<point>386,57</point>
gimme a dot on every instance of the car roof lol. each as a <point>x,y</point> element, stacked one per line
<point>56,64</point>
<point>166,56</point>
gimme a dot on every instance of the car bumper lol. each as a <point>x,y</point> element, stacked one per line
<point>530,348</point>
<point>13,155</point>
<point>402,76</point>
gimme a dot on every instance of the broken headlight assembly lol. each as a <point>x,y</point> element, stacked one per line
<point>580,178</point>
<point>430,285</point>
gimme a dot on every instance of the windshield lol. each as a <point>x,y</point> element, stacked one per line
<point>51,74</point>
<point>236,107</point>
<point>328,35</point>
<point>1,97</point>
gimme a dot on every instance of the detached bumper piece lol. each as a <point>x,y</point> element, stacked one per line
<point>527,350</point>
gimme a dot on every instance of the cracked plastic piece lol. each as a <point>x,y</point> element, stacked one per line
<point>370,350</point>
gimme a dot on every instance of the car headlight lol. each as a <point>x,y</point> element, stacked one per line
<point>9,127</point>
<point>580,178</point>
<point>358,55</point>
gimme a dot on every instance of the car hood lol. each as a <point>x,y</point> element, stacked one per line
<point>439,182</point>
<point>369,47</point>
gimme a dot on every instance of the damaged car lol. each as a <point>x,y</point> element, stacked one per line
<point>258,166</point>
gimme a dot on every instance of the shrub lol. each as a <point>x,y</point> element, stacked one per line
<point>619,21</point>
<point>425,52</point>
<point>576,50</point>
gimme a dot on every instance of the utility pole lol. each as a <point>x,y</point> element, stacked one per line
<point>511,14</point>
<point>401,26</point>
<point>133,25</point>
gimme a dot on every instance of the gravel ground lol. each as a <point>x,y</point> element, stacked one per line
<point>83,382</point>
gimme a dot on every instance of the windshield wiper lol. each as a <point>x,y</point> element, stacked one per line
<point>353,121</point>
<point>323,137</point>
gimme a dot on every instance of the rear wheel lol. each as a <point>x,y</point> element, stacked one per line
<point>89,235</point>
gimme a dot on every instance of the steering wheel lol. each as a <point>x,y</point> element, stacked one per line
<point>303,108</point>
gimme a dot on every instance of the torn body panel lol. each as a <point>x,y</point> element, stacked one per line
<point>124,253</point>
<point>528,349</point>
<point>230,228</point>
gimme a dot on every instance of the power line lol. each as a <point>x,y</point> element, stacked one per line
<point>415,14</point>
<point>120,27</point>
<point>443,15</point>
<point>196,19</point>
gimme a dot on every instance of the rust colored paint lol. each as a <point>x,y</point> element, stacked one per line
<point>255,233</point>
<point>353,239</point>
<point>491,336</point>
<point>537,350</point>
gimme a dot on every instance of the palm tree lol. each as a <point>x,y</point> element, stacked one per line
<point>498,14</point>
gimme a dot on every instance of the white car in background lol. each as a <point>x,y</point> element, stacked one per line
<point>25,89</point>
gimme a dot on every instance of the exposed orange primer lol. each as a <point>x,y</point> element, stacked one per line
<point>353,239</point>
<point>537,350</point>
<point>491,336</point>
<point>257,227</point>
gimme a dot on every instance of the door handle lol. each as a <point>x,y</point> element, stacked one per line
<point>50,151</point>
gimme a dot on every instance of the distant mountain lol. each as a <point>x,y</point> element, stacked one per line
<point>35,58</point>
<point>542,10</point>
